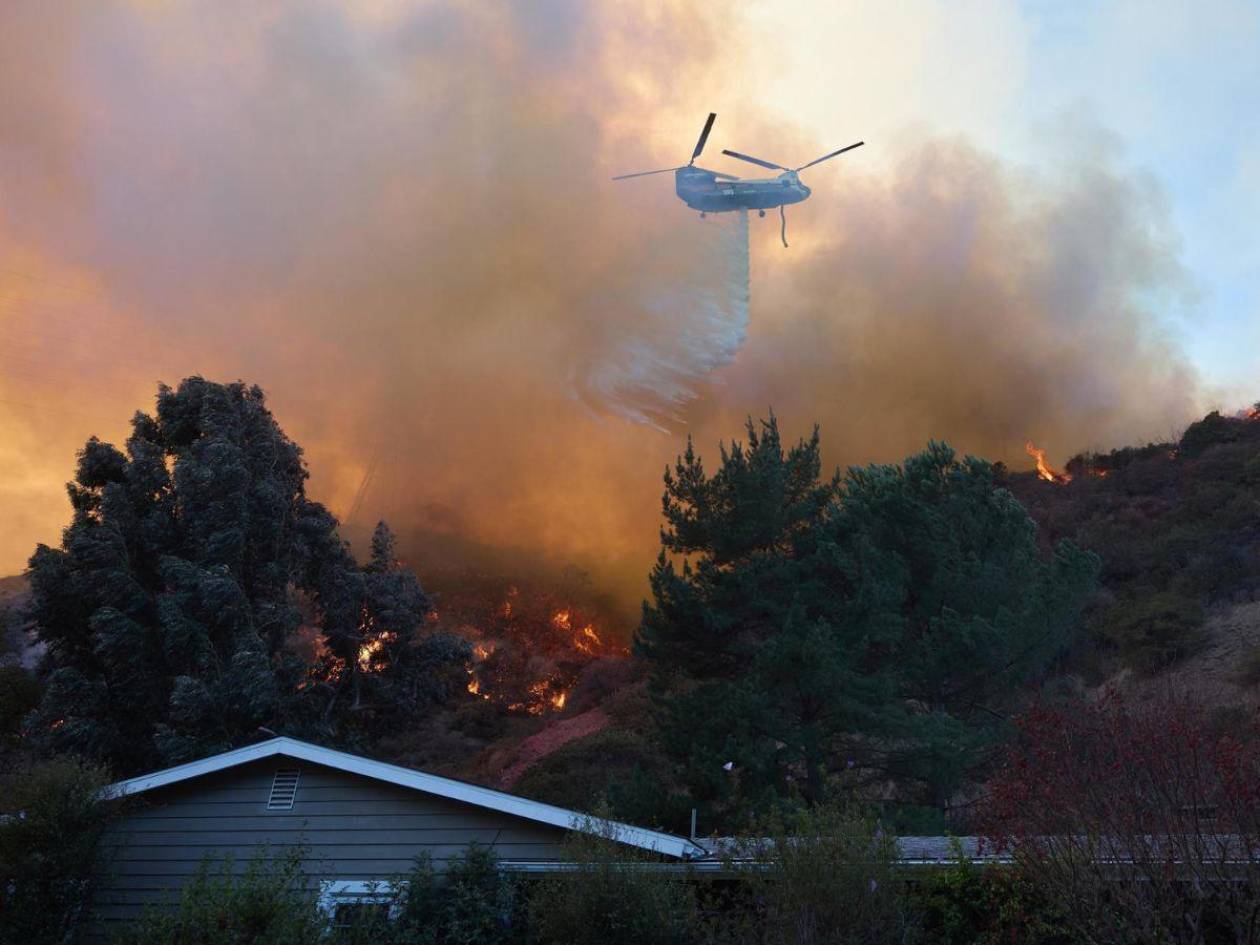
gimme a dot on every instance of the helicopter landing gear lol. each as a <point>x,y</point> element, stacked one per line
<point>761,213</point>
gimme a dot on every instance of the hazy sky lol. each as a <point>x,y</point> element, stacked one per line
<point>396,218</point>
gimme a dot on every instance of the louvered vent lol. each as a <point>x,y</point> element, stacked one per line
<point>283,789</point>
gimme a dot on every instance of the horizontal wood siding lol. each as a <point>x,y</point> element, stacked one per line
<point>348,827</point>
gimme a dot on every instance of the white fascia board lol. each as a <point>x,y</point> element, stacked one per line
<point>641,837</point>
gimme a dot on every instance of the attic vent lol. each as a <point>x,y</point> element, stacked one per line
<point>283,789</point>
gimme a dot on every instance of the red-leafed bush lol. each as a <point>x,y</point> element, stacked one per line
<point>1142,821</point>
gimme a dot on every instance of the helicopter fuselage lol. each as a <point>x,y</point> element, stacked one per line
<point>702,190</point>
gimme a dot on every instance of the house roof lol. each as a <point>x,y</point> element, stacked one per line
<point>653,840</point>
<point>911,851</point>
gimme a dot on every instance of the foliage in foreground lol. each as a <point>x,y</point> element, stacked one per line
<point>819,876</point>
<point>884,618</point>
<point>967,903</point>
<point>50,826</point>
<point>266,902</point>
<point>471,903</point>
<point>616,894</point>
<point>1141,821</point>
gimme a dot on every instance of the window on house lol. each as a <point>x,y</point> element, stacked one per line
<point>349,902</point>
<point>351,915</point>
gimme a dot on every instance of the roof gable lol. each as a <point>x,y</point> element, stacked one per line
<point>640,837</point>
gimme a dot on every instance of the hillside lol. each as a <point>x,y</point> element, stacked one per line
<point>1177,526</point>
<point>560,714</point>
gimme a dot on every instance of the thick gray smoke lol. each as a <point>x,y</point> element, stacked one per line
<point>397,219</point>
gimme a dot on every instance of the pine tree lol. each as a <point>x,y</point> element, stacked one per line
<point>880,618</point>
<point>169,608</point>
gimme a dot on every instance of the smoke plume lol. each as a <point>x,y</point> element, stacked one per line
<point>397,220</point>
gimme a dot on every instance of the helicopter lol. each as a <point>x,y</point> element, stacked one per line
<point>699,189</point>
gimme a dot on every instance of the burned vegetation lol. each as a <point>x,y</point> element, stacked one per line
<point>1175,525</point>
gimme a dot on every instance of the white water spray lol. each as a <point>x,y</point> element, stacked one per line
<point>695,318</point>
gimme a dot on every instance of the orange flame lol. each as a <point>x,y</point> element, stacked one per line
<point>586,640</point>
<point>1044,469</point>
<point>367,651</point>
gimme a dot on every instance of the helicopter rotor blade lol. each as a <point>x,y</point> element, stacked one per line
<point>717,173</point>
<point>828,157</point>
<point>753,160</point>
<point>704,136</point>
<point>663,170</point>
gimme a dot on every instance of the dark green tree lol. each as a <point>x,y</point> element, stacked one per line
<point>878,620</point>
<point>945,587</point>
<point>50,824</point>
<point>169,608</point>
<point>387,665</point>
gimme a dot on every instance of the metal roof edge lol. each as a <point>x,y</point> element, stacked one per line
<point>476,795</point>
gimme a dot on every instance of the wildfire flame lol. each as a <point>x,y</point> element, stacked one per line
<point>544,699</point>
<point>589,641</point>
<point>367,651</point>
<point>525,657</point>
<point>586,640</point>
<point>1044,469</point>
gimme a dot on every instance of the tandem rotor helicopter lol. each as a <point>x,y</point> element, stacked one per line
<point>699,188</point>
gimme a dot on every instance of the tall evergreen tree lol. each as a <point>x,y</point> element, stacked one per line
<point>168,609</point>
<point>880,618</point>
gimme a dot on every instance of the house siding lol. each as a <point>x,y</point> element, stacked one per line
<point>349,827</point>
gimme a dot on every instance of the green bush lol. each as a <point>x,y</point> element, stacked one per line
<point>471,903</point>
<point>968,904</point>
<point>267,902</point>
<point>1212,430</point>
<point>821,876</point>
<point>615,894</point>
<point>50,825</point>
<point>272,902</point>
<point>1154,628</point>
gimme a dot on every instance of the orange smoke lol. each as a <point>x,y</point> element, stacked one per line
<point>425,250</point>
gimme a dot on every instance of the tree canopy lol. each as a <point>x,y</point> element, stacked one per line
<point>876,620</point>
<point>193,559</point>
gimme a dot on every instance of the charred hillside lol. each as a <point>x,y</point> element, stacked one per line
<point>1177,528</point>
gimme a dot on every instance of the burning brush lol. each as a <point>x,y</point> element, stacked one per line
<point>1044,469</point>
<point>528,647</point>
